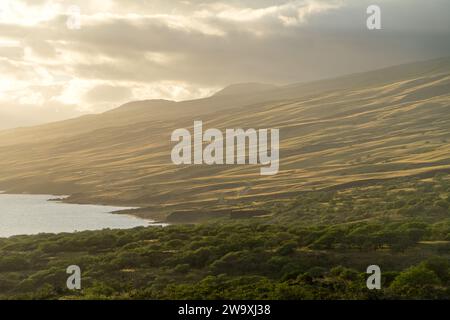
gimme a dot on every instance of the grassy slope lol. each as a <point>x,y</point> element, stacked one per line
<point>376,125</point>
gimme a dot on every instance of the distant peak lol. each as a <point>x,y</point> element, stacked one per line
<point>245,88</point>
<point>148,102</point>
<point>133,105</point>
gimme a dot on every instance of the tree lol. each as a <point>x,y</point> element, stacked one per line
<point>417,282</point>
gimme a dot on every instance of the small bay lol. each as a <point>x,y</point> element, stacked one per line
<point>24,214</point>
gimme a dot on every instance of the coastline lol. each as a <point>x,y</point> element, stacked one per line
<point>39,218</point>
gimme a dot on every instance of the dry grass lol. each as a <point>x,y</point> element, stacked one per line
<point>334,132</point>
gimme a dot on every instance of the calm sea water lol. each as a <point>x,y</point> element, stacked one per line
<point>33,214</point>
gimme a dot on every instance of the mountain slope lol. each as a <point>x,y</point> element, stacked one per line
<point>245,89</point>
<point>376,125</point>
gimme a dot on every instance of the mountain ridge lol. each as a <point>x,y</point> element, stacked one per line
<point>245,88</point>
<point>394,126</point>
<point>286,92</point>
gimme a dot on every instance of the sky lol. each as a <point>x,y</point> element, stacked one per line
<point>61,59</point>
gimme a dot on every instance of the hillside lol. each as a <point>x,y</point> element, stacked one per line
<point>246,89</point>
<point>376,125</point>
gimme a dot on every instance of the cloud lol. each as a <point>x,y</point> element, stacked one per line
<point>189,49</point>
<point>293,13</point>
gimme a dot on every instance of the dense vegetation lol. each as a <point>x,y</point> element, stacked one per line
<point>317,246</point>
